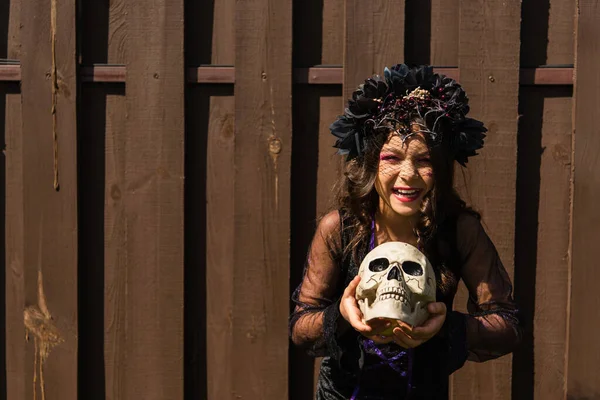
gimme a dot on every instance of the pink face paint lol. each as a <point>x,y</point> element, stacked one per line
<point>387,156</point>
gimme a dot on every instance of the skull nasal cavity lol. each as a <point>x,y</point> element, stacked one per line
<point>394,274</point>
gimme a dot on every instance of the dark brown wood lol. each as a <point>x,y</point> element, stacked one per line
<point>542,240</point>
<point>219,192</point>
<point>332,37</point>
<point>115,233</point>
<point>388,44</point>
<point>332,75</point>
<point>10,72</point>
<point>583,348</point>
<point>152,196</point>
<point>211,75</point>
<point>546,76</point>
<point>50,215</point>
<point>543,198</point>
<point>444,32</point>
<point>261,199</point>
<point>219,242</point>
<point>14,247</point>
<point>103,73</point>
<point>319,75</point>
<point>14,381</point>
<point>358,45</point>
<point>489,65</point>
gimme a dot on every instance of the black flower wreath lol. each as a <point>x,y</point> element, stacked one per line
<point>404,94</point>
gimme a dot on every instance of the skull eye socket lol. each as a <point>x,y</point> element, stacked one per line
<point>379,264</point>
<point>412,268</point>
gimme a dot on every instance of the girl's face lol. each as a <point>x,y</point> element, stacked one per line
<point>405,175</point>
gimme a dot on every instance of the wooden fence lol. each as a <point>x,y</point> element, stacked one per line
<point>165,162</point>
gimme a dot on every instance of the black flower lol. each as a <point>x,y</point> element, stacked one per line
<point>380,103</point>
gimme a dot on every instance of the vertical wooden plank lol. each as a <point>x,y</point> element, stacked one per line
<point>370,44</point>
<point>358,45</point>
<point>14,355</point>
<point>102,238</point>
<point>388,42</point>
<point>153,201</point>
<point>261,198</point>
<point>547,32</point>
<point>542,240</point>
<point>115,221</point>
<point>115,245</point>
<point>584,350</point>
<point>315,166</point>
<point>219,238</point>
<point>444,32</point>
<point>14,380</point>
<point>50,214</point>
<point>489,65</point>
<point>333,32</point>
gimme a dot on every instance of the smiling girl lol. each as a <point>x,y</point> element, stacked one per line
<point>402,135</point>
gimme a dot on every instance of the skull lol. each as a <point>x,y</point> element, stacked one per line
<point>397,282</point>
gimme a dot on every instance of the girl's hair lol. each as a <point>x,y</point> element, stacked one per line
<point>357,198</point>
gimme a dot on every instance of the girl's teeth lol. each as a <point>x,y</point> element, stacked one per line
<point>407,192</point>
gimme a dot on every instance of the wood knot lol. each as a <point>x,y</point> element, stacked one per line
<point>275,145</point>
<point>41,327</point>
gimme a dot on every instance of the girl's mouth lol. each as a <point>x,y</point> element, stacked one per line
<point>406,195</point>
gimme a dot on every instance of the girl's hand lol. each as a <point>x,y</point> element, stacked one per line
<point>351,313</point>
<point>409,337</point>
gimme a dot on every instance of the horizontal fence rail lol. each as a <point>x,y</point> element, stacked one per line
<point>319,75</point>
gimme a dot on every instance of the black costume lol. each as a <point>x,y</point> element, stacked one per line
<point>352,367</point>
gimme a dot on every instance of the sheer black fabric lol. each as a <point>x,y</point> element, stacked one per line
<point>491,328</point>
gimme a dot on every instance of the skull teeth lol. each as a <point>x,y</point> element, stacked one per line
<point>396,296</point>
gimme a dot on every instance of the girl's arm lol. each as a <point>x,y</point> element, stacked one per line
<point>492,326</point>
<point>316,321</point>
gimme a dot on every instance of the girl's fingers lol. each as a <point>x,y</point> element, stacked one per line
<point>355,316</point>
<point>404,340</point>
<point>434,323</point>
<point>381,339</point>
<point>350,290</point>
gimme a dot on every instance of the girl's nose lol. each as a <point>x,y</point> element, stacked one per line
<point>408,171</point>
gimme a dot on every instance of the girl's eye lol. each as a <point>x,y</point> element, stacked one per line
<point>388,157</point>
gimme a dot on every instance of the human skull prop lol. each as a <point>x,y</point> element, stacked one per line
<point>397,282</point>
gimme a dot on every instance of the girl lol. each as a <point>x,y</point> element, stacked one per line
<point>402,134</point>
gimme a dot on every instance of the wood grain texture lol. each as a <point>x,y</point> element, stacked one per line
<point>153,201</point>
<point>219,212</point>
<point>542,240</point>
<point>444,32</point>
<point>584,350</point>
<point>547,33</point>
<point>550,320</point>
<point>370,45</point>
<point>261,199</point>
<point>489,65</point>
<point>219,237</point>
<point>14,290</point>
<point>333,32</point>
<point>14,246</point>
<point>115,215</point>
<point>388,42</point>
<point>115,246</point>
<point>50,216</point>
<point>358,46</point>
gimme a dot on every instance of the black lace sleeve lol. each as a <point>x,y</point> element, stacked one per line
<point>491,327</point>
<point>316,322</point>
